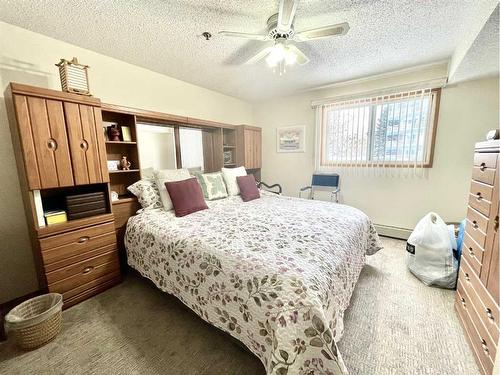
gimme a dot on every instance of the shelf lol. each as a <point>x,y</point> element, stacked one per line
<point>124,199</point>
<point>122,171</point>
<point>229,164</point>
<point>70,225</point>
<point>229,146</point>
<point>120,143</point>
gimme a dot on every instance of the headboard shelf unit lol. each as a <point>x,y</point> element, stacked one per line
<point>120,179</point>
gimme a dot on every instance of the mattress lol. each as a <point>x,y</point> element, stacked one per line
<point>277,273</point>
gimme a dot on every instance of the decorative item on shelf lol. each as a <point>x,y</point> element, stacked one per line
<point>74,76</point>
<point>125,164</point>
<point>55,217</point>
<point>113,165</point>
<point>114,133</point>
<point>228,157</point>
<point>291,139</point>
<point>114,196</point>
<point>492,135</point>
<point>126,136</point>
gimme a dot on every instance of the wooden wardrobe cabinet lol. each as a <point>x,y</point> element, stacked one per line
<point>249,146</point>
<point>59,138</point>
<point>60,152</point>
<point>477,298</point>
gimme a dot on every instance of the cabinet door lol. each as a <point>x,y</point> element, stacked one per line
<point>43,137</point>
<point>86,144</point>
<point>252,144</point>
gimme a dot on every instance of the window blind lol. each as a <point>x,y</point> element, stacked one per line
<point>384,131</point>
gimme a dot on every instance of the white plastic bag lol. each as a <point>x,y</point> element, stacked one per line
<point>429,252</point>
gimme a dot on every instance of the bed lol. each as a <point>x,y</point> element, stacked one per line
<point>277,273</point>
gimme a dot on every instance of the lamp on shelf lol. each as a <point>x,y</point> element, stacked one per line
<point>74,77</point>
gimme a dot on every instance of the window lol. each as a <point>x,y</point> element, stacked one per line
<point>394,130</point>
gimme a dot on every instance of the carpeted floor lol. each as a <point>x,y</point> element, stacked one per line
<point>395,325</point>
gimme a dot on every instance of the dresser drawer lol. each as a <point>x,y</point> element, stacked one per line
<point>473,253</point>
<point>77,237</point>
<point>74,244</point>
<point>480,197</point>
<point>471,308</point>
<point>483,174</point>
<point>487,310</point>
<point>478,220</point>
<point>479,346</point>
<point>485,159</point>
<point>82,267</point>
<point>85,276</point>
<point>474,232</point>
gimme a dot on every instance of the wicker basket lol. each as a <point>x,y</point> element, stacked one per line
<point>36,321</point>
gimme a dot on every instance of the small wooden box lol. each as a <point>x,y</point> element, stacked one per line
<point>85,205</point>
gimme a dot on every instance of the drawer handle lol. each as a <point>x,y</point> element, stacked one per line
<point>462,300</point>
<point>471,252</point>
<point>482,167</point>
<point>87,269</point>
<point>467,277</point>
<point>83,239</point>
<point>479,196</point>
<point>474,224</point>
<point>496,224</point>
<point>489,314</point>
<point>485,347</point>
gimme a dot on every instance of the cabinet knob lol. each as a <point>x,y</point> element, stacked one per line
<point>467,277</point>
<point>479,196</point>
<point>471,252</point>
<point>52,144</point>
<point>474,224</point>
<point>462,301</point>
<point>87,269</point>
<point>495,228</point>
<point>83,239</point>
<point>482,167</point>
<point>489,314</point>
<point>84,145</point>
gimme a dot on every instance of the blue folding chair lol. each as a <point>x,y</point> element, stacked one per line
<point>324,182</point>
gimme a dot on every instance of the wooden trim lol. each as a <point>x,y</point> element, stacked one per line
<point>488,146</point>
<point>436,99</point>
<point>21,89</point>
<point>177,142</point>
<point>164,118</point>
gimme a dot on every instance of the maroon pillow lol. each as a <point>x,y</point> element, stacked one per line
<point>186,196</point>
<point>248,188</point>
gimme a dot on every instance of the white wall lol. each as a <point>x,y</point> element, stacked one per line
<point>29,58</point>
<point>467,112</point>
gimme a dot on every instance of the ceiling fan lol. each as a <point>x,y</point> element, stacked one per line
<point>281,31</point>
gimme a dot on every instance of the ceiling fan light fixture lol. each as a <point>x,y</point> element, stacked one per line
<point>290,57</point>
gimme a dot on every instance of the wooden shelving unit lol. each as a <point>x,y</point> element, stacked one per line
<point>120,179</point>
<point>229,147</point>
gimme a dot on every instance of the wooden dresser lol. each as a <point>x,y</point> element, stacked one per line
<point>477,298</point>
<point>60,152</point>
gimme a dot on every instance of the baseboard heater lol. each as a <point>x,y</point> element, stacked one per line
<point>394,232</point>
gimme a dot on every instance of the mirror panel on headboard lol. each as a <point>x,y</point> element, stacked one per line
<point>156,147</point>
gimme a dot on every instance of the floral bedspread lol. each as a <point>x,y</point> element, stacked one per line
<point>276,273</point>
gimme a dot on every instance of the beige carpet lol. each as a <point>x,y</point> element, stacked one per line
<point>395,325</point>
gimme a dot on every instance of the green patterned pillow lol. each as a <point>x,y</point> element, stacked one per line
<point>213,185</point>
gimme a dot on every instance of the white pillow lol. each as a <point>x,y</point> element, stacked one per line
<point>230,175</point>
<point>168,175</point>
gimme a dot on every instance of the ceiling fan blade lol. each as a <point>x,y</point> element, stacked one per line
<point>259,56</point>
<point>301,57</point>
<point>322,32</point>
<point>286,14</point>
<point>234,34</point>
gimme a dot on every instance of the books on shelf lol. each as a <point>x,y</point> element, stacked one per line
<point>55,217</point>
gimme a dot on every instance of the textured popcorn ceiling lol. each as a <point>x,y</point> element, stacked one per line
<point>164,36</point>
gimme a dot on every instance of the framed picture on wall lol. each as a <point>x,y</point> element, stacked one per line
<point>291,139</point>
